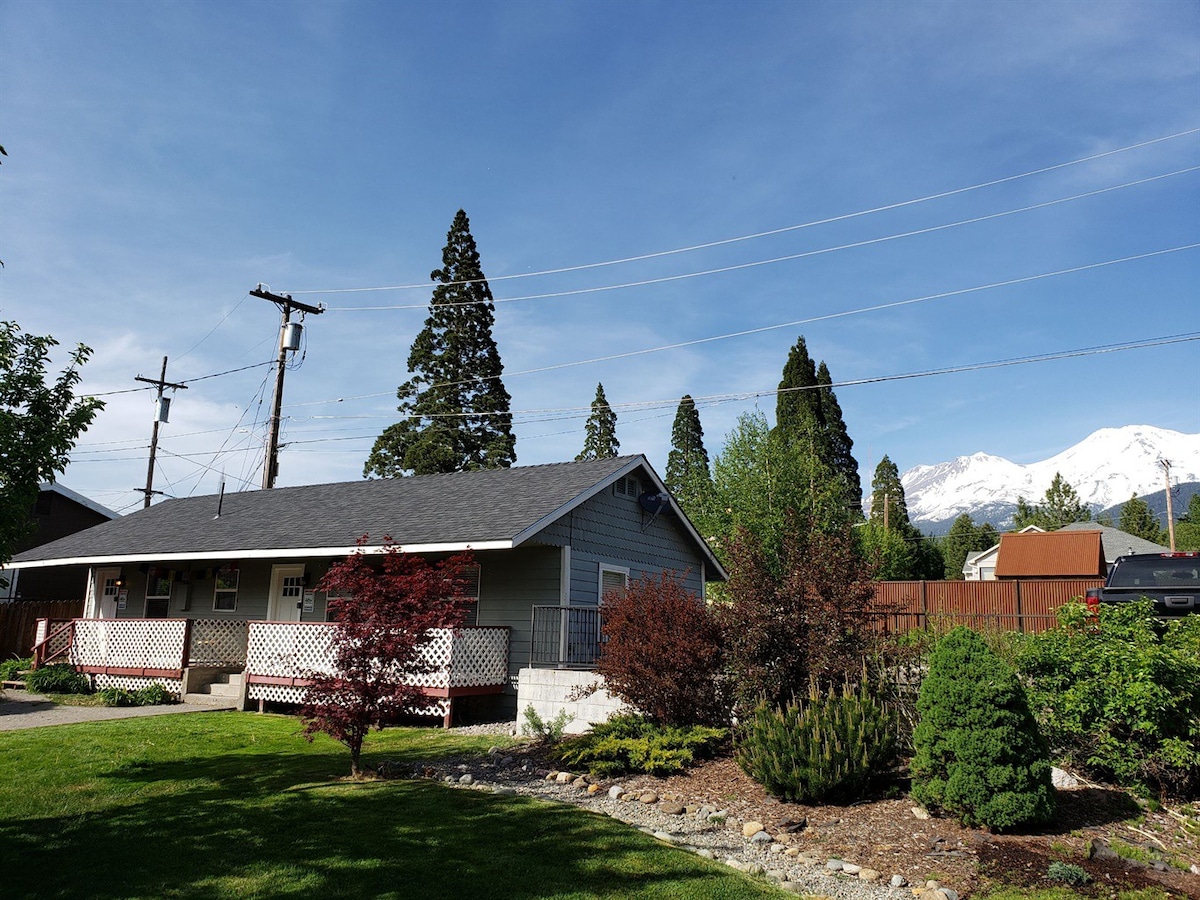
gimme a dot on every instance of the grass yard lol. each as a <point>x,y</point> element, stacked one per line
<point>239,805</point>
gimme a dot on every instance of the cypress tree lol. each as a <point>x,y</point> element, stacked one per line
<point>600,431</point>
<point>837,438</point>
<point>454,409</point>
<point>687,463</point>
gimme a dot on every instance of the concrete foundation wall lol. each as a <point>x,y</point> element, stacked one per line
<point>549,691</point>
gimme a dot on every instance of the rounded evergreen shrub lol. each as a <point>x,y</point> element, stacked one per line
<point>979,755</point>
<point>827,746</point>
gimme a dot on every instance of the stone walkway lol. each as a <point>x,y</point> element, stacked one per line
<point>21,709</point>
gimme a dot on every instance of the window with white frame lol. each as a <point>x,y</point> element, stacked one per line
<point>613,580</point>
<point>225,589</point>
<point>469,588</point>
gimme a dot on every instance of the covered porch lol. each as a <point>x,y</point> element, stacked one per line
<point>275,660</point>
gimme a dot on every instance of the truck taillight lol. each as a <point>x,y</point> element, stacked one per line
<point>1093,601</point>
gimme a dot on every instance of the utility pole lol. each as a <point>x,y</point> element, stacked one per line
<point>1166,464</point>
<point>160,415</point>
<point>289,339</point>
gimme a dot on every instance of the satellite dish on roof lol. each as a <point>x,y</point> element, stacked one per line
<point>653,503</point>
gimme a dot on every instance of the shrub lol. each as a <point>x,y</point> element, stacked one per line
<point>1119,698</point>
<point>60,678</point>
<point>632,743</point>
<point>827,746</point>
<point>662,653</point>
<point>150,695</point>
<point>1068,873</point>
<point>11,669</point>
<point>546,732</point>
<point>979,754</point>
<point>115,696</point>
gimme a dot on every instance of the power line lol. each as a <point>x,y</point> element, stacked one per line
<point>775,231</point>
<point>942,295</point>
<point>791,257</point>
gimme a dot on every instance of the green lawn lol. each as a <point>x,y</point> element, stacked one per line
<point>239,805</point>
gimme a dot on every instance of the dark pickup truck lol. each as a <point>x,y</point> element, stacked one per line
<point>1171,580</point>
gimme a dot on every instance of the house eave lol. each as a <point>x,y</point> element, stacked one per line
<point>259,553</point>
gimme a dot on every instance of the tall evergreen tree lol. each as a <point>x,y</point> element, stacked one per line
<point>1061,506</point>
<point>798,405</point>
<point>454,409</point>
<point>837,438</point>
<point>688,474</point>
<point>600,431</point>
<point>887,493</point>
<point>1137,519</point>
<point>963,539</point>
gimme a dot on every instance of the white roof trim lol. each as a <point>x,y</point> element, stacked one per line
<point>260,553</point>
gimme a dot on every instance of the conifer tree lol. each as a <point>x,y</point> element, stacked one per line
<point>1137,519</point>
<point>454,409</point>
<point>600,431</point>
<point>963,539</point>
<point>1062,506</point>
<point>888,493</point>
<point>798,413</point>
<point>837,438</point>
<point>688,474</point>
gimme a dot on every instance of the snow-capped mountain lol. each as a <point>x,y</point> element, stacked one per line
<point>1105,469</point>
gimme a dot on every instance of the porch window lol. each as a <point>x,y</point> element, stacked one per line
<point>158,593</point>
<point>470,590</point>
<point>225,589</point>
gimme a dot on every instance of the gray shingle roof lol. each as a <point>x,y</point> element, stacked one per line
<point>461,508</point>
<point>1116,542</point>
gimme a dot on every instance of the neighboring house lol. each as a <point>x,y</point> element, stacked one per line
<point>59,511</point>
<point>1050,555</point>
<point>549,541</point>
<point>1116,542</point>
<point>981,566</point>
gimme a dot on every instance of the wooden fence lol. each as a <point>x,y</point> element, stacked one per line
<point>1000,605</point>
<point>18,622</point>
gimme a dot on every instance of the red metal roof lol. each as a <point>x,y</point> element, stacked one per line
<point>1054,554</point>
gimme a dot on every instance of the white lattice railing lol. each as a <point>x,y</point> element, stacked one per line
<point>145,644</point>
<point>217,642</point>
<point>289,651</point>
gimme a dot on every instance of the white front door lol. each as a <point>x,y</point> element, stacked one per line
<point>107,586</point>
<point>287,593</point>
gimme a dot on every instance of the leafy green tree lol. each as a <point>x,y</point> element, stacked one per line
<point>39,425</point>
<point>600,430</point>
<point>963,539</point>
<point>688,476</point>
<point>454,409</point>
<point>837,438</point>
<point>1187,526</point>
<point>1061,506</point>
<point>763,482</point>
<point>1137,519</point>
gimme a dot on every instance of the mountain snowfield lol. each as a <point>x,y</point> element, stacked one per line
<point>1105,469</point>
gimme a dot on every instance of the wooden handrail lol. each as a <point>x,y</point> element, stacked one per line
<point>39,649</point>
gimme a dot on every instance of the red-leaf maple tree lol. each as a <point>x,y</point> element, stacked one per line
<point>384,607</point>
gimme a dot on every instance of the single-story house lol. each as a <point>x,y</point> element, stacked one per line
<point>58,511</point>
<point>203,588</point>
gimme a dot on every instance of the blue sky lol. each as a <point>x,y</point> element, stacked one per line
<point>164,158</point>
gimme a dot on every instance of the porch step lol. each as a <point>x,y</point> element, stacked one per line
<point>226,685</point>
